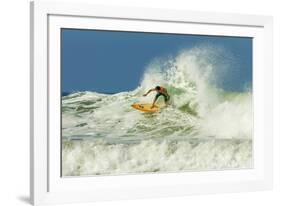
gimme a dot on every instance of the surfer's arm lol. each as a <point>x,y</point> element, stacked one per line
<point>149,92</point>
<point>165,93</point>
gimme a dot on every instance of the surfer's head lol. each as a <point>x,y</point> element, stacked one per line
<point>158,88</point>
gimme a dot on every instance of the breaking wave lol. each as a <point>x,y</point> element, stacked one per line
<point>204,127</point>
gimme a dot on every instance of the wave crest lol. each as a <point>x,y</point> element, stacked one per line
<point>200,108</point>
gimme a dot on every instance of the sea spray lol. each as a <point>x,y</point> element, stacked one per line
<point>94,158</point>
<point>205,127</point>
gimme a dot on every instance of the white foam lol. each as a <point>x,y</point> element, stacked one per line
<point>89,158</point>
<point>206,121</point>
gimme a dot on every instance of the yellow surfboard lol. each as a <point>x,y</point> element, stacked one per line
<point>146,107</point>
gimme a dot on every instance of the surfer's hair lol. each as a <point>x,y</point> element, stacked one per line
<point>157,87</point>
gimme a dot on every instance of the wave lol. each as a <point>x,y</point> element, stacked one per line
<point>105,126</point>
<point>196,103</point>
<point>100,158</point>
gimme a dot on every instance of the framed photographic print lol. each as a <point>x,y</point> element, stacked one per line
<point>137,103</point>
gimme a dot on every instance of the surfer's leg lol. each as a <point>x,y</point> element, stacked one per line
<point>155,99</point>
<point>166,98</point>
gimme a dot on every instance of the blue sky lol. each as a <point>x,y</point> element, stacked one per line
<point>112,61</point>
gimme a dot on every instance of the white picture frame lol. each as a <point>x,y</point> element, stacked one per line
<point>47,185</point>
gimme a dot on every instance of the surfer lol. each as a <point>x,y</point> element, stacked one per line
<point>161,91</point>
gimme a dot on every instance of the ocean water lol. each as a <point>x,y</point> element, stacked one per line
<point>204,127</point>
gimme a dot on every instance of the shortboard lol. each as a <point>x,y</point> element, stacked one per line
<point>146,107</point>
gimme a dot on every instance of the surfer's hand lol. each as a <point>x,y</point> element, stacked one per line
<point>144,95</point>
